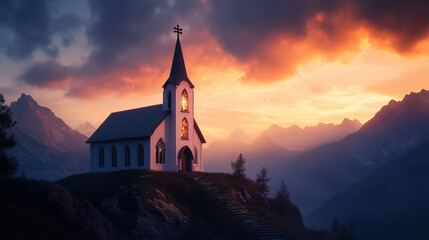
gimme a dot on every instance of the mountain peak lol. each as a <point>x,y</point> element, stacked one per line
<point>416,97</point>
<point>86,128</point>
<point>412,108</point>
<point>26,99</point>
<point>348,122</point>
<point>42,125</point>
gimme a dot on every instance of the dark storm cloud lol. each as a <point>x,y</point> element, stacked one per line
<point>125,35</point>
<point>407,21</point>
<point>129,35</point>
<point>29,21</point>
<point>244,25</point>
<point>45,74</point>
<point>31,27</point>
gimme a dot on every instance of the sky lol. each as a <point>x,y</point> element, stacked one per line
<point>253,63</point>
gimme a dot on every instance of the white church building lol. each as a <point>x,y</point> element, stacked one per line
<point>162,137</point>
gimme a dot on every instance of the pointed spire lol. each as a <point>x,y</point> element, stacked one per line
<point>178,70</point>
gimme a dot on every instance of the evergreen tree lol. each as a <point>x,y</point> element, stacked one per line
<point>262,180</point>
<point>351,230</point>
<point>283,194</point>
<point>335,230</point>
<point>282,199</point>
<point>238,167</point>
<point>343,232</point>
<point>8,163</point>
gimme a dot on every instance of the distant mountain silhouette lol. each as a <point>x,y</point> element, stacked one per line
<point>261,152</point>
<point>320,173</point>
<point>391,203</point>
<point>296,138</point>
<point>46,147</point>
<point>86,128</point>
<point>269,149</point>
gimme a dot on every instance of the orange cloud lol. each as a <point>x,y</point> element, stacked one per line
<point>405,83</point>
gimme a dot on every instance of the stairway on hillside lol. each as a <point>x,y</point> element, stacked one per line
<point>246,218</point>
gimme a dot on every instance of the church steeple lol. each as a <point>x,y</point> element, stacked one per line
<point>178,70</point>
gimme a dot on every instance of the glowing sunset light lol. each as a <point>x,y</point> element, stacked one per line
<point>295,64</point>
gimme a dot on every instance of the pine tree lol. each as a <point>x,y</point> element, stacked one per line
<point>283,194</point>
<point>351,230</point>
<point>8,163</point>
<point>262,180</point>
<point>343,232</point>
<point>282,200</point>
<point>238,167</point>
<point>335,230</point>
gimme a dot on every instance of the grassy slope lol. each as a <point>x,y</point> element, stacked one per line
<point>289,223</point>
<point>209,220</point>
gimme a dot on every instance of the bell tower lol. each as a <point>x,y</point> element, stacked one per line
<point>178,97</point>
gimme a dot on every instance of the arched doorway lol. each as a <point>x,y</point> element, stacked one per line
<point>186,157</point>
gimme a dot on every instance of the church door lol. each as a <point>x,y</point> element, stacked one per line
<point>186,159</point>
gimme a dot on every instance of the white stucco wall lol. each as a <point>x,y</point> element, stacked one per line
<point>120,148</point>
<point>169,165</point>
<point>169,130</point>
<point>199,147</point>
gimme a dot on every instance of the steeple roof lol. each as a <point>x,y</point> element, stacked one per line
<point>178,70</point>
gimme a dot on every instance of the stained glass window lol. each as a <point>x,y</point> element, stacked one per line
<point>184,129</point>
<point>160,152</point>
<point>184,101</point>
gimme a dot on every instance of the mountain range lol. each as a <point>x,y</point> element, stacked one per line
<point>390,203</point>
<point>47,148</point>
<point>86,128</point>
<point>318,174</point>
<point>274,145</point>
<point>297,138</point>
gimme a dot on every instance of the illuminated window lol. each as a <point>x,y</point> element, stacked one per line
<point>184,129</point>
<point>101,157</point>
<point>140,154</point>
<point>114,157</point>
<point>160,152</point>
<point>184,101</point>
<point>127,156</point>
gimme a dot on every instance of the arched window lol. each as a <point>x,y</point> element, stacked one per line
<point>195,160</point>
<point>184,100</point>
<point>184,129</point>
<point>101,157</point>
<point>114,157</point>
<point>140,155</point>
<point>127,156</point>
<point>169,100</point>
<point>160,152</point>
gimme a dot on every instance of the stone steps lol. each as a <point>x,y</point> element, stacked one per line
<point>246,218</point>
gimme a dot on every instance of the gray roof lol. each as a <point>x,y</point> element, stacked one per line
<point>134,123</point>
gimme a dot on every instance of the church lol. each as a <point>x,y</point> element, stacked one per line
<point>162,137</point>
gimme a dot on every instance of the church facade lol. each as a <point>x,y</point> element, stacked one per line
<point>162,137</point>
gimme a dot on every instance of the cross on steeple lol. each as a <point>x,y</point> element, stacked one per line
<point>177,30</point>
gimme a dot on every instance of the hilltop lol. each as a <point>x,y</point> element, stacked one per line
<point>135,204</point>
